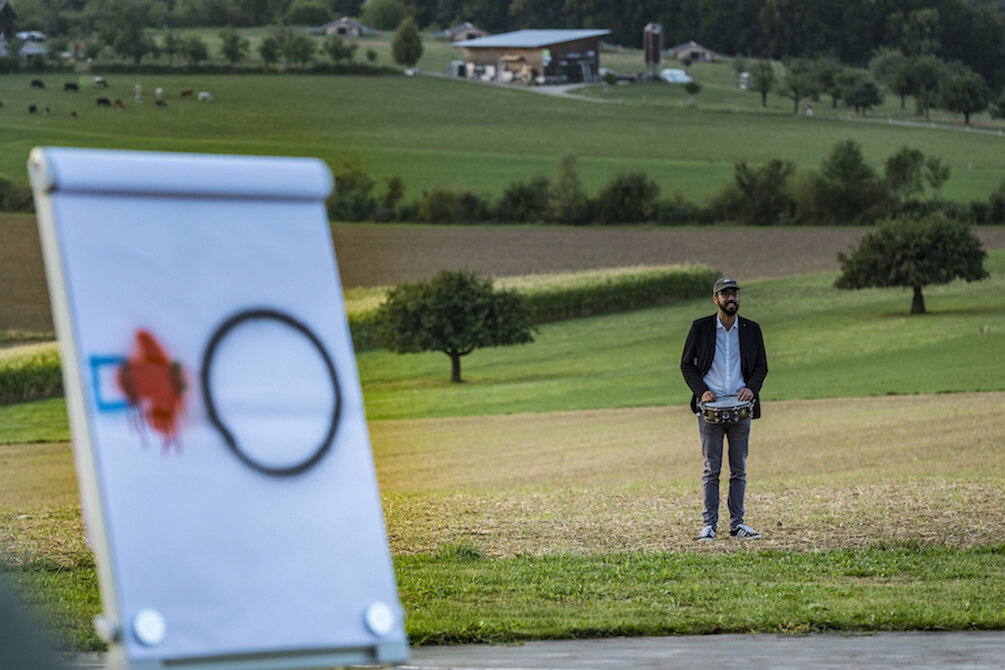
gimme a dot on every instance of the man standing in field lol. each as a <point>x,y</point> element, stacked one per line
<point>723,357</point>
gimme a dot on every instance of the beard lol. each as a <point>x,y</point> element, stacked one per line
<point>730,307</point>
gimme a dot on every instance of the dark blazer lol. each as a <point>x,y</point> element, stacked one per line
<point>699,349</point>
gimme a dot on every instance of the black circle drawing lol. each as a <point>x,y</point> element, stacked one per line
<point>207,361</point>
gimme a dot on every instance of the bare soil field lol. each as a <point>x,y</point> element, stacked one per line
<point>384,255</point>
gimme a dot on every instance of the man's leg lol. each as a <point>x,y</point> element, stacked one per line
<point>738,435</point>
<point>711,451</point>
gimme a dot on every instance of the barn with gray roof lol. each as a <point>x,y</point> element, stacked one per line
<point>535,56</point>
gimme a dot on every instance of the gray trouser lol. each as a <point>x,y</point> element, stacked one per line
<point>711,448</point>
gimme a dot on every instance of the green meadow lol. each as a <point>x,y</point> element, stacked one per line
<point>434,131</point>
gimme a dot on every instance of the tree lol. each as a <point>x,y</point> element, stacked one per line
<point>455,312</point>
<point>893,69</point>
<point>904,172</point>
<point>195,49</point>
<point>299,48</point>
<point>799,82</point>
<point>384,14</point>
<point>925,73</point>
<point>917,34</point>
<point>849,185</point>
<point>762,79</point>
<point>825,71</point>
<point>123,26</point>
<point>765,199</point>
<point>308,13</point>
<point>171,45</point>
<point>233,47</point>
<point>997,108</point>
<point>338,49</point>
<point>936,174</point>
<point>914,254</point>
<point>406,45</point>
<point>859,90</point>
<point>964,94</point>
<point>627,197</point>
<point>566,201</point>
<point>269,50</point>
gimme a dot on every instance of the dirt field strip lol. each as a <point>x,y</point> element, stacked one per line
<point>822,474</point>
<point>375,255</point>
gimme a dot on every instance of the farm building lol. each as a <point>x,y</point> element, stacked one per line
<point>534,56</point>
<point>345,26</point>
<point>465,31</point>
<point>696,52</point>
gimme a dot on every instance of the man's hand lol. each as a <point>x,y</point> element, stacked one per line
<point>708,396</point>
<point>745,394</point>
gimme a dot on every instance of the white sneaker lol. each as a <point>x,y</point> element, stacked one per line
<point>745,532</point>
<point>707,534</point>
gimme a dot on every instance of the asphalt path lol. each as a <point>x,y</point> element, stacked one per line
<point>972,650</point>
<point>976,650</point>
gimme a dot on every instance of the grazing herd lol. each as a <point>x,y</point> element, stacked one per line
<point>115,103</point>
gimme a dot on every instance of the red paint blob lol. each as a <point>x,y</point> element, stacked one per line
<point>154,385</point>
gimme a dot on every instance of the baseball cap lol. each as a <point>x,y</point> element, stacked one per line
<point>724,283</point>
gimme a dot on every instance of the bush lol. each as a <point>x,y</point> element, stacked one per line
<point>10,64</point>
<point>308,13</point>
<point>445,206</point>
<point>351,199</point>
<point>15,197</point>
<point>524,201</point>
<point>567,203</point>
<point>996,206</point>
<point>627,198</point>
<point>851,192</point>
<point>676,210</point>
<point>764,197</point>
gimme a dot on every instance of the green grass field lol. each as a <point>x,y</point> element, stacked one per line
<point>439,132</point>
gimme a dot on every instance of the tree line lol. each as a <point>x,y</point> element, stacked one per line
<point>844,190</point>
<point>850,32</point>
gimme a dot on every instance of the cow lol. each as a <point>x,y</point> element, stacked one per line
<point>119,104</point>
<point>32,109</point>
<point>70,86</point>
<point>37,83</point>
<point>73,113</point>
<point>158,93</point>
<point>100,81</point>
<point>45,112</point>
<point>104,102</point>
<point>1,103</point>
<point>160,103</point>
<point>204,96</point>
<point>187,93</point>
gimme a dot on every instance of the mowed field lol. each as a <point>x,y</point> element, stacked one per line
<point>438,132</point>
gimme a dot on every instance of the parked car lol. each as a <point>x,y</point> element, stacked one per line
<point>675,76</point>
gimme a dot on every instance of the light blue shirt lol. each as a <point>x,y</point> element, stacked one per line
<point>724,377</point>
